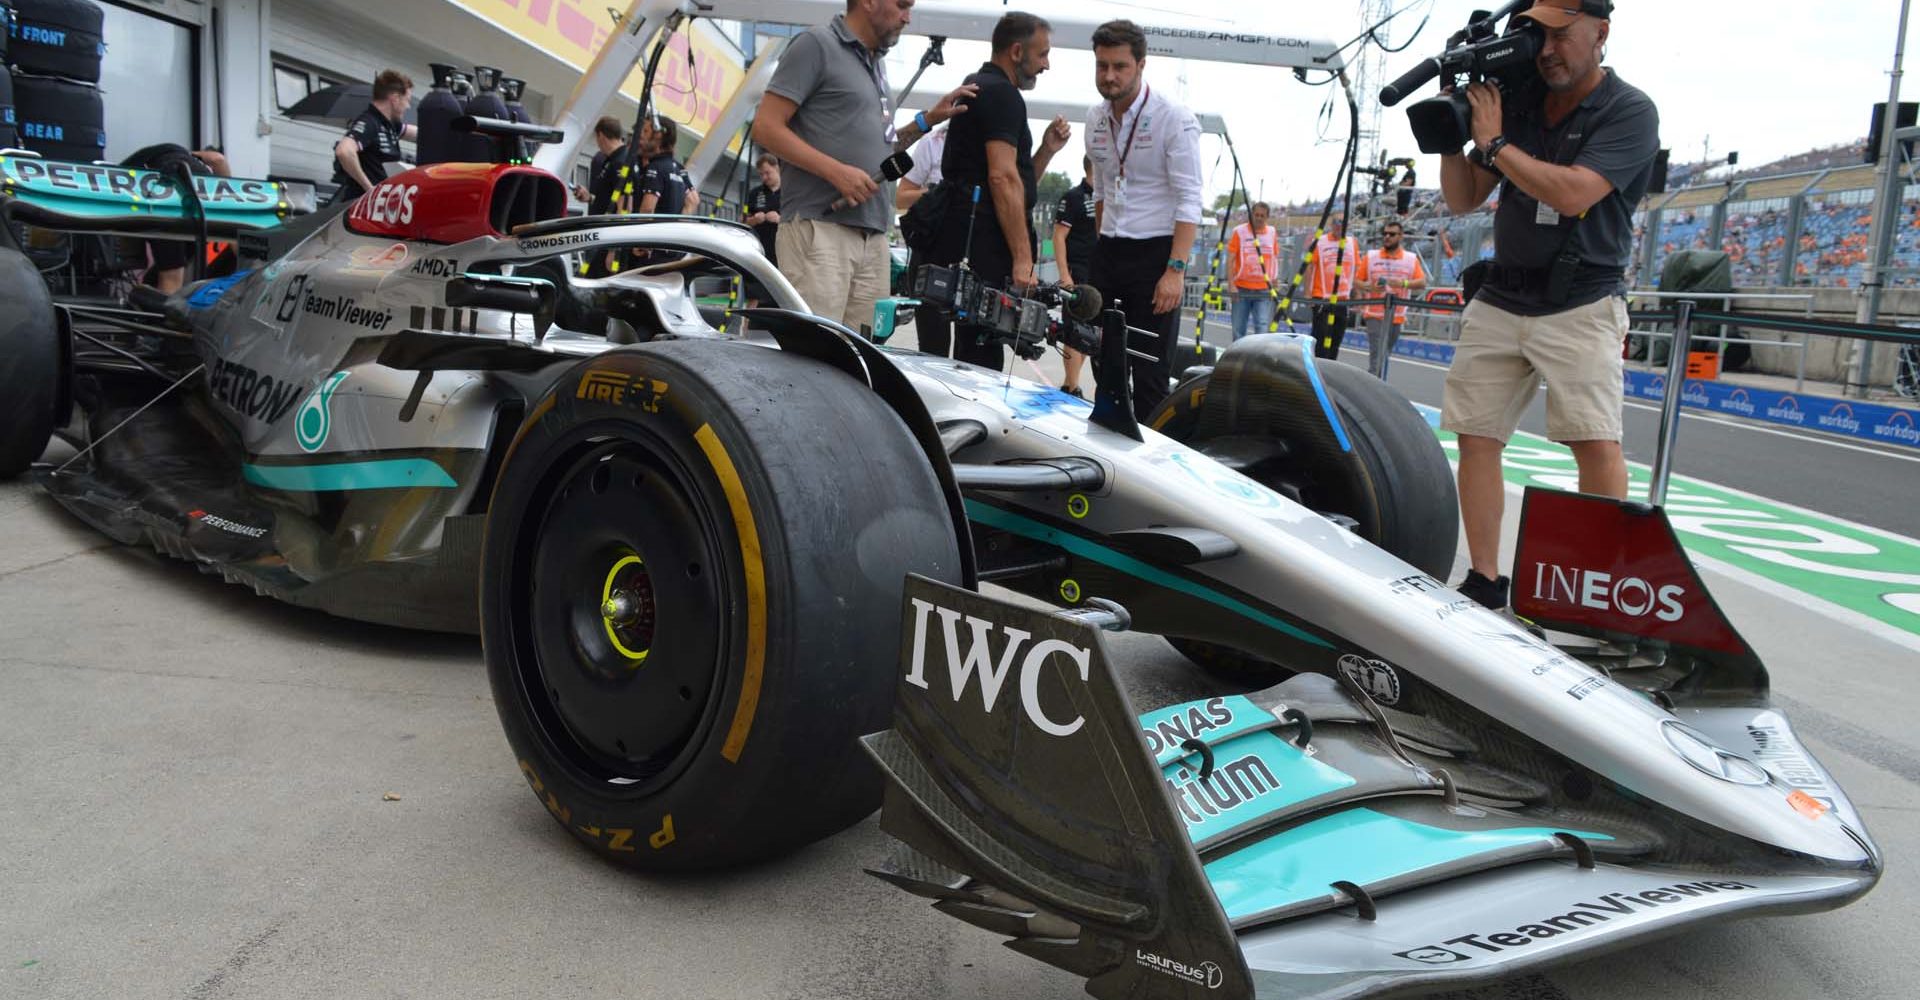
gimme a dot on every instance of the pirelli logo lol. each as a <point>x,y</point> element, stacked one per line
<point>620,389</point>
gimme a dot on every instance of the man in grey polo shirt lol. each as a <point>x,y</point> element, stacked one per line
<point>1571,166</point>
<point>828,115</point>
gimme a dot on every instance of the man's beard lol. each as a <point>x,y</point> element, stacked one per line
<point>891,38</point>
<point>1024,80</point>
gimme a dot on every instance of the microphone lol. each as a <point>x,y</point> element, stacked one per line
<point>891,169</point>
<point>1083,302</point>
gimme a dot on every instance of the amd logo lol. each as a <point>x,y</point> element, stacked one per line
<point>979,659</point>
<point>1627,595</point>
<point>389,204</point>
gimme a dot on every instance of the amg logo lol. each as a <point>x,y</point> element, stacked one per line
<point>1577,918</point>
<point>250,393</point>
<point>347,311</point>
<point>1231,784</point>
<point>1205,974</point>
<point>978,660</point>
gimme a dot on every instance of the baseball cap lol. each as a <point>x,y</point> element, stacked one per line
<point>1560,13</point>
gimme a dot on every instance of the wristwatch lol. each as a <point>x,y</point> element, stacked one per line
<point>1494,146</point>
<point>1176,265</point>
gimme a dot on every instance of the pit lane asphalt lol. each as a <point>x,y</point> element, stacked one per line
<point>194,808</point>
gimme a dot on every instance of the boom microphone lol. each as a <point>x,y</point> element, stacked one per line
<point>1410,81</point>
<point>891,169</point>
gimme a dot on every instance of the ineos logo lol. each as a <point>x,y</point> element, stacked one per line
<point>388,204</point>
<point>1627,595</point>
<point>978,659</point>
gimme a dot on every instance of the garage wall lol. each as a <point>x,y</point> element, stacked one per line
<point>337,42</point>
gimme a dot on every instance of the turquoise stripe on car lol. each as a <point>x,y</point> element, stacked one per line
<point>1253,777</point>
<point>383,474</point>
<point>1359,846</point>
<point>994,517</point>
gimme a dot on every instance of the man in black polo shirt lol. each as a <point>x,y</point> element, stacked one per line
<point>1075,232</point>
<point>1571,164</point>
<point>373,139</point>
<point>610,167</point>
<point>990,151</point>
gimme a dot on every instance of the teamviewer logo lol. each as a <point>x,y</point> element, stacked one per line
<point>1431,956</point>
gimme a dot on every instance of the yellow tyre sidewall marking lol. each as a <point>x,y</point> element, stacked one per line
<point>606,594</point>
<point>756,578</point>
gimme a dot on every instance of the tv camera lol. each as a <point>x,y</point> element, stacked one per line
<point>1022,321</point>
<point>1480,53</point>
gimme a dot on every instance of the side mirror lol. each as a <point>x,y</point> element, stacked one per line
<point>528,296</point>
<point>891,314</point>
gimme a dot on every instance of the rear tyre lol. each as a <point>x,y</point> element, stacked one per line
<point>29,364</point>
<point>1403,495</point>
<point>691,598</point>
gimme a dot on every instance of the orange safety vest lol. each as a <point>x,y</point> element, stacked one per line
<point>1326,250</point>
<point>1256,259</point>
<point>1378,268</point>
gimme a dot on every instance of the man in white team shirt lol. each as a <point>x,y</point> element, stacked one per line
<point>1146,189</point>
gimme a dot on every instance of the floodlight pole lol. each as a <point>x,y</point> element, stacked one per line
<point>1886,207</point>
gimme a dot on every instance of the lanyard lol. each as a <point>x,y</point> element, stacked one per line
<point>1146,94</point>
<point>877,73</point>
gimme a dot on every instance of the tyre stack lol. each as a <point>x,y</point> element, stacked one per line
<point>54,49</point>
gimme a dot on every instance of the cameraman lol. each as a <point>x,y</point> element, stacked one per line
<point>990,149</point>
<point>1573,161</point>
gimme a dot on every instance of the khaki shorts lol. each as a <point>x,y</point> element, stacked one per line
<point>1501,359</point>
<point>842,271</point>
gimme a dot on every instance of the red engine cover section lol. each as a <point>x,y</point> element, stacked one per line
<point>453,202</point>
<point>1595,564</point>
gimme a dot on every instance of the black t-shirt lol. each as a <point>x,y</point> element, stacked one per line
<point>1615,132</point>
<point>765,199</point>
<point>1075,211</point>
<point>379,140</point>
<point>610,176</point>
<point>664,176</point>
<point>998,112</point>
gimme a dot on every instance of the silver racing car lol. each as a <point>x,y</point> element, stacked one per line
<point>720,576</point>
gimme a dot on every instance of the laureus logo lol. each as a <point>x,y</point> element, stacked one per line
<point>315,421</point>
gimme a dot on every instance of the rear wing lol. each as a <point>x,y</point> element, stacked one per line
<point>101,198</point>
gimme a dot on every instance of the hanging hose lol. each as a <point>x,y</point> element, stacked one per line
<point>1342,176</point>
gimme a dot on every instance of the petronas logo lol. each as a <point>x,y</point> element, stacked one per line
<point>315,421</point>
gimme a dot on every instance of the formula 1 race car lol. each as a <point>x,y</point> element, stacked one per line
<point>719,575</point>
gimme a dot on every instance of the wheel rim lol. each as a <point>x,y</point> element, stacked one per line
<point>622,611</point>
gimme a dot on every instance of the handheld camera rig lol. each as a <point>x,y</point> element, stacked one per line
<point>1478,52</point>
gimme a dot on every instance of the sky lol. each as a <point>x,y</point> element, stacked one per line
<point>1766,78</point>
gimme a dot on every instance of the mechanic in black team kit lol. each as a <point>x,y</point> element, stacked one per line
<point>990,151</point>
<point>373,139</point>
<point>763,214</point>
<point>1075,232</point>
<point>665,187</point>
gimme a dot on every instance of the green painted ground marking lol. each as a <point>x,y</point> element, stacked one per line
<point>1871,573</point>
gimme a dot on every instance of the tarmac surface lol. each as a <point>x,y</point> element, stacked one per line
<point>214,795</point>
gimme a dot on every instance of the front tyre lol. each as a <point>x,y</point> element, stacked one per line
<point>691,598</point>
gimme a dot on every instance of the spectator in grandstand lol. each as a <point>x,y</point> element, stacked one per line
<point>828,115</point>
<point>1253,261</point>
<point>1389,270</point>
<point>373,139</point>
<point>1572,164</point>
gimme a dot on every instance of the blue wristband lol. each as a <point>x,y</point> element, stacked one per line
<point>920,119</point>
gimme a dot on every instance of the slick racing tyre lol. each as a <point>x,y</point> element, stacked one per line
<point>59,119</point>
<point>30,369</point>
<point>59,38</point>
<point>1401,491</point>
<point>690,600</point>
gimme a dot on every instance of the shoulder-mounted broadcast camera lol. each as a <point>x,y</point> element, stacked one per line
<point>1479,53</point>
